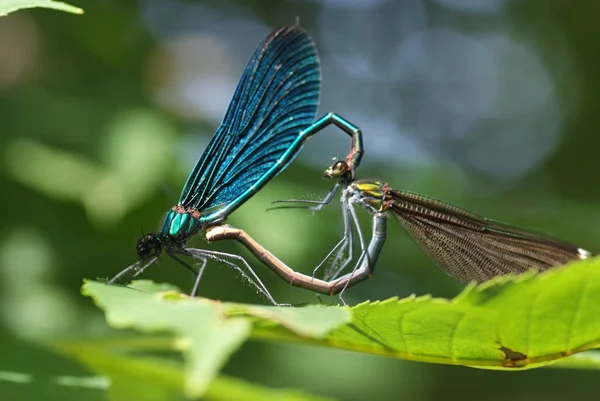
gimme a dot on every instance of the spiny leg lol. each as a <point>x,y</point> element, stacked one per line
<point>332,272</point>
<point>341,243</point>
<point>246,271</point>
<point>364,254</point>
<point>317,204</point>
<point>134,267</point>
<point>320,204</point>
<point>203,255</point>
<point>340,246</point>
<point>201,267</point>
<point>338,249</point>
<point>197,272</point>
<point>297,279</point>
<point>173,253</point>
<point>364,269</point>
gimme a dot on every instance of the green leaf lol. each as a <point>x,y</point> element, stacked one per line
<point>313,321</point>
<point>206,331</point>
<point>209,339</point>
<point>135,377</point>
<point>508,323</point>
<point>9,6</point>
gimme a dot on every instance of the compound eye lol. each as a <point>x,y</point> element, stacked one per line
<point>142,242</point>
<point>340,168</point>
<point>147,244</point>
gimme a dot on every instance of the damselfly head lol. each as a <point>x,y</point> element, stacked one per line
<point>149,245</point>
<point>338,169</point>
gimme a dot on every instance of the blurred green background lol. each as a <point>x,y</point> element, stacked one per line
<point>491,105</point>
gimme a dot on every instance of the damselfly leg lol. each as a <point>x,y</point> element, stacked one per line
<point>197,271</point>
<point>333,287</point>
<point>347,241</point>
<point>351,222</point>
<point>311,204</point>
<point>240,265</point>
<point>138,268</point>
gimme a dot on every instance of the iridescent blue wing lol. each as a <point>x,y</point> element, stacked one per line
<point>277,97</point>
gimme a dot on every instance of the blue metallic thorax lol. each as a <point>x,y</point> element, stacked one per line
<point>179,225</point>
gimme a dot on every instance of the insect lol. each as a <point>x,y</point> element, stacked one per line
<point>269,119</point>
<point>467,246</point>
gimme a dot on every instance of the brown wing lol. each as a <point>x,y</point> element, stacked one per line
<point>472,248</point>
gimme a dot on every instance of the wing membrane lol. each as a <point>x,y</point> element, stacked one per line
<point>472,248</point>
<point>277,97</point>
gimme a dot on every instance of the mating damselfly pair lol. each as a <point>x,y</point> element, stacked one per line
<point>271,116</point>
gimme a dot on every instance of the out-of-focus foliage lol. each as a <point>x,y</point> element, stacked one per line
<point>490,105</point>
<point>9,6</point>
<point>206,330</point>
<point>147,378</point>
